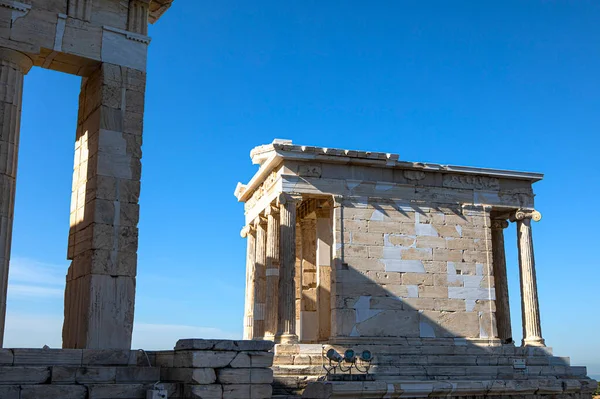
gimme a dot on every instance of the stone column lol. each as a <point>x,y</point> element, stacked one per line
<point>501,281</point>
<point>530,308</point>
<point>13,67</point>
<point>103,237</point>
<point>324,242</point>
<point>249,233</point>
<point>308,309</point>
<point>272,273</point>
<point>260,283</point>
<point>286,328</point>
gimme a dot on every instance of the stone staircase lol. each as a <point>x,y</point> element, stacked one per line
<point>474,367</point>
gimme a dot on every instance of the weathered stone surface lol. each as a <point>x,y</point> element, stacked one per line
<point>214,391</point>
<point>245,376</point>
<point>82,375</point>
<point>106,357</point>
<point>117,391</point>
<point>244,391</point>
<point>252,359</point>
<point>47,357</point>
<point>24,375</point>
<point>213,359</point>
<point>223,345</point>
<point>54,391</point>
<point>6,357</point>
<point>10,392</point>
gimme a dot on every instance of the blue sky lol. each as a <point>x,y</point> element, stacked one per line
<point>507,85</point>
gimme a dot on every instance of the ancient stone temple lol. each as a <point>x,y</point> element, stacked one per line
<point>361,250</point>
<point>106,43</point>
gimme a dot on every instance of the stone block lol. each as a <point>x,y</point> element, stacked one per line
<point>253,359</point>
<point>223,345</point>
<point>36,27</point>
<point>431,242</point>
<point>82,375</point>
<point>214,391</point>
<point>137,374</point>
<point>164,359</point>
<point>358,238</point>
<point>433,292</point>
<point>449,324</point>
<point>111,13</point>
<point>54,391</point>
<point>245,376</point>
<point>212,359</point>
<point>447,255</point>
<point>6,357</point>
<point>119,50</point>
<point>243,391</point>
<point>117,391</point>
<point>24,375</point>
<point>82,39</point>
<point>450,305</point>
<point>10,392</point>
<point>106,357</point>
<point>47,357</point>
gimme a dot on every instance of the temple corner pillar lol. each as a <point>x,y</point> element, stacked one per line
<point>14,65</point>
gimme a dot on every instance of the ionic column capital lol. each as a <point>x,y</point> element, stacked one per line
<point>247,230</point>
<point>272,209</point>
<point>289,198</point>
<point>499,224</point>
<point>522,214</point>
<point>16,57</point>
<point>337,200</point>
<point>261,220</point>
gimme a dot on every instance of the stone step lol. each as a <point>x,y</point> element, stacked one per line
<point>483,360</point>
<point>447,371</point>
<point>425,349</point>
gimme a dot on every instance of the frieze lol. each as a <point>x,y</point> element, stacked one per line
<point>309,171</point>
<point>414,175</point>
<point>471,182</point>
<point>261,190</point>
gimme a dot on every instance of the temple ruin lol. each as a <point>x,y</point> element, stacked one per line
<point>347,252</point>
<point>361,250</point>
<point>106,43</point>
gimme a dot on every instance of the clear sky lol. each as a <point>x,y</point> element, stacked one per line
<point>510,85</point>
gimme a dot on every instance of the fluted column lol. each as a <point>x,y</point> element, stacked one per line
<point>260,284</point>
<point>13,67</point>
<point>272,272</point>
<point>501,281</point>
<point>249,233</point>
<point>530,308</point>
<point>286,328</point>
<point>324,243</point>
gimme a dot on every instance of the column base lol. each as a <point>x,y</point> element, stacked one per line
<point>286,339</point>
<point>269,337</point>
<point>533,341</point>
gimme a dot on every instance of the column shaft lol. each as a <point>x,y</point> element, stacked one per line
<point>260,283</point>
<point>13,67</point>
<point>286,330</point>
<point>272,273</point>
<point>308,309</point>
<point>501,281</point>
<point>324,242</point>
<point>249,298</point>
<point>532,330</point>
<point>103,235</point>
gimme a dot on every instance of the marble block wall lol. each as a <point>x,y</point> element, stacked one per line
<point>410,270</point>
